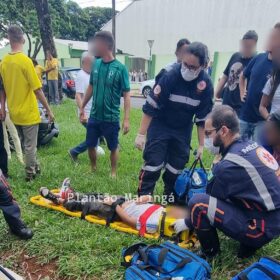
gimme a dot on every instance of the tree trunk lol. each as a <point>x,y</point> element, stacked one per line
<point>29,44</point>
<point>45,26</point>
<point>37,47</point>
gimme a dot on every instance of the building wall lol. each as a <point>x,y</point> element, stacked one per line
<point>218,23</point>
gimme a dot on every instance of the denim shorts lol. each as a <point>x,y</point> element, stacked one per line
<point>96,129</point>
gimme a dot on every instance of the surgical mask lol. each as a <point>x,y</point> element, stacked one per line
<point>189,75</point>
<point>208,144</point>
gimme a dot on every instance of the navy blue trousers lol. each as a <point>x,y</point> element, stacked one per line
<point>165,148</point>
<point>8,206</point>
<point>3,153</point>
<point>250,228</point>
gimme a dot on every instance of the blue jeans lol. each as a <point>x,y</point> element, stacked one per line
<point>81,148</point>
<point>250,131</point>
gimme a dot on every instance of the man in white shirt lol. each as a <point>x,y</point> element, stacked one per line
<point>81,83</point>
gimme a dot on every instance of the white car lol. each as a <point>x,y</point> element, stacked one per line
<point>147,87</point>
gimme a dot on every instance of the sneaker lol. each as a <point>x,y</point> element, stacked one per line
<point>23,232</point>
<point>47,194</point>
<point>73,157</point>
<point>245,252</point>
<point>30,177</point>
<point>38,170</point>
<point>66,192</point>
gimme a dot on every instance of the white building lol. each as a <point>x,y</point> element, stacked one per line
<point>220,24</point>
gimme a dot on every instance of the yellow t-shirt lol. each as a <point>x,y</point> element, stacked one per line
<point>20,81</point>
<point>52,75</point>
<point>40,70</point>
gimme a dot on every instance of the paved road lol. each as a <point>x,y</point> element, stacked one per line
<point>137,102</point>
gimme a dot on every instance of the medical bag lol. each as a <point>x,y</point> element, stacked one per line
<point>165,261</point>
<point>265,269</point>
<point>191,181</point>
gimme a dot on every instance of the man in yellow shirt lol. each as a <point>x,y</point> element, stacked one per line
<point>40,70</point>
<point>52,72</point>
<point>22,88</point>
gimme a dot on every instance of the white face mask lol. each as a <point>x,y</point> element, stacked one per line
<point>189,75</point>
<point>208,144</point>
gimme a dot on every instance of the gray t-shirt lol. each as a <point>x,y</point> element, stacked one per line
<point>275,104</point>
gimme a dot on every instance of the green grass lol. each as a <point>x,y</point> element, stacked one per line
<point>83,250</point>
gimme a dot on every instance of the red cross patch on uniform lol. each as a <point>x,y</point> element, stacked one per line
<point>267,158</point>
<point>201,86</point>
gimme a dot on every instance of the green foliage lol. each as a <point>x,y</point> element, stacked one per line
<point>80,249</point>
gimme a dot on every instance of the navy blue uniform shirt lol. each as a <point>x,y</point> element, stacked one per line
<point>247,176</point>
<point>257,73</point>
<point>178,103</point>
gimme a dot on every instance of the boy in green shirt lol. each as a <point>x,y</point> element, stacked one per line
<point>109,81</point>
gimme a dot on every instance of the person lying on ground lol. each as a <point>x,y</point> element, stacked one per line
<point>131,212</point>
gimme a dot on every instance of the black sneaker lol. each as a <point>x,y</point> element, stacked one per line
<point>245,251</point>
<point>30,177</point>
<point>47,194</point>
<point>73,156</point>
<point>23,232</point>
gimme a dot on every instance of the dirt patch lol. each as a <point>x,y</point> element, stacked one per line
<point>30,268</point>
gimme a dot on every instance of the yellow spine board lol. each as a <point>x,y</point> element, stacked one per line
<point>187,241</point>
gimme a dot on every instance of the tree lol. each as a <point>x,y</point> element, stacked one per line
<point>45,26</point>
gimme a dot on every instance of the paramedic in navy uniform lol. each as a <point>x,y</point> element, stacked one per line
<point>243,196</point>
<point>182,96</point>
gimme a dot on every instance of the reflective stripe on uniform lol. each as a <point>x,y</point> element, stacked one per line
<point>184,99</point>
<point>212,209</point>
<point>152,168</point>
<point>255,177</point>
<point>200,120</point>
<point>152,102</point>
<point>172,169</point>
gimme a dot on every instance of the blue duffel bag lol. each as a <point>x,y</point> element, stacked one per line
<point>163,262</point>
<point>192,181</point>
<point>265,269</point>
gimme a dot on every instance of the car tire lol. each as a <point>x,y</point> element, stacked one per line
<point>146,91</point>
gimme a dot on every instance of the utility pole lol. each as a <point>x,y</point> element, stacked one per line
<point>114,24</point>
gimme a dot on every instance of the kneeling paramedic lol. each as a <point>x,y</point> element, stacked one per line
<point>11,211</point>
<point>243,196</point>
<point>140,214</point>
<point>181,97</point>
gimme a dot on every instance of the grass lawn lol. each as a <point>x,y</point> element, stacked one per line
<point>73,248</point>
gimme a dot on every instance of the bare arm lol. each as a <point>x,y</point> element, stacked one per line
<point>79,99</point>
<point>41,97</point>
<point>200,135</point>
<point>145,123</point>
<point>126,125</point>
<point>125,217</point>
<point>87,97</point>
<point>265,102</point>
<point>220,86</point>
<point>49,70</point>
<point>243,87</point>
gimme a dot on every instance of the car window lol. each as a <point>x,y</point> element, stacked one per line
<point>72,74</point>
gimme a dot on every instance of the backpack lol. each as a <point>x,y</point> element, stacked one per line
<point>166,261</point>
<point>191,181</point>
<point>265,269</point>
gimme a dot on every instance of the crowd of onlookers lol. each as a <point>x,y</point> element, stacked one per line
<point>138,76</point>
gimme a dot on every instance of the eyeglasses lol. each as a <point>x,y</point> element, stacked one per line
<point>191,67</point>
<point>209,132</point>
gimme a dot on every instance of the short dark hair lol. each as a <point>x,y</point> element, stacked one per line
<point>199,50</point>
<point>35,62</point>
<point>181,43</point>
<point>277,25</point>
<point>107,37</point>
<point>251,35</point>
<point>225,115</point>
<point>15,34</point>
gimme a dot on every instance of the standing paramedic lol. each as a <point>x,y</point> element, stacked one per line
<point>109,81</point>
<point>182,97</point>
<point>230,79</point>
<point>22,88</point>
<point>243,195</point>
